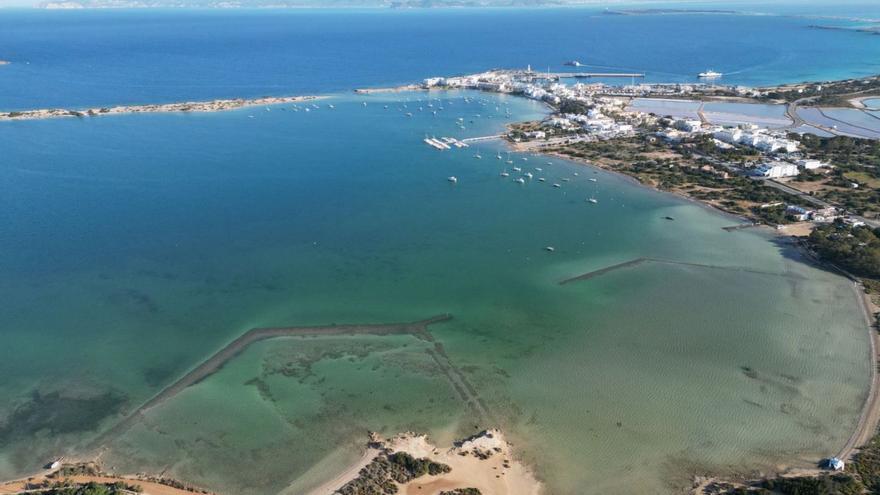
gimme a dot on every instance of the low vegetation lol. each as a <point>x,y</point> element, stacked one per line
<point>829,94</point>
<point>681,168</point>
<point>854,182</point>
<point>382,475</point>
<point>856,250</point>
<point>68,488</point>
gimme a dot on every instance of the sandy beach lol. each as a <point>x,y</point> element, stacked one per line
<point>485,462</point>
<point>189,106</point>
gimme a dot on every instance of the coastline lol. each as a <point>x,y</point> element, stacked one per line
<point>485,461</point>
<point>871,410</point>
<point>869,415</point>
<point>633,180</point>
<point>180,107</point>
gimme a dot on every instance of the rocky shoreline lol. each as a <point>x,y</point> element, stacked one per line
<point>182,107</point>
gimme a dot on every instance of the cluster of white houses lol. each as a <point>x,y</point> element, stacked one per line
<point>756,137</point>
<point>607,116</point>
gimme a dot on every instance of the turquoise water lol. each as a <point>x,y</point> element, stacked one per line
<point>107,57</point>
<point>135,246</point>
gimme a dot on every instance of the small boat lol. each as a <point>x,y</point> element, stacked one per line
<point>520,180</point>
<point>408,114</point>
<point>525,159</point>
<point>573,63</point>
<point>386,107</point>
<point>539,169</point>
<point>541,179</point>
<point>668,218</point>
<point>549,163</point>
<point>566,179</point>
<point>592,200</point>
<point>550,248</point>
<point>575,174</point>
<point>477,156</point>
<point>593,180</point>
<point>505,174</point>
<point>331,106</point>
<point>365,103</point>
<point>557,185</point>
<point>517,169</point>
<point>509,161</point>
<point>452,179</point>
<point>308,109</point>
<point>498,157</point>
<point>527,175</point>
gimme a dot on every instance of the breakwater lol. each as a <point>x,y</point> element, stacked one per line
<point>215,362</point>
<point>639,261</point>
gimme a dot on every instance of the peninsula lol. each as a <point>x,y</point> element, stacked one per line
<point>189,106</point>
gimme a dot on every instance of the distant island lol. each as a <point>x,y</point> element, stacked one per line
<point>667,11</point>
<point>393,4</point>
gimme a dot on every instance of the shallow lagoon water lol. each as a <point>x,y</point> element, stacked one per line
<point>155,239</point>
<point>833,118</point>
<point>673,108</point>
<point>723,113</point>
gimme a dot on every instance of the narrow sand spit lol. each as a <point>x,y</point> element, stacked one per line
<point>188,106</point>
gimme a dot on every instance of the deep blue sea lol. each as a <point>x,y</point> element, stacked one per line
<point>79,58</point>
<point>132,247</point>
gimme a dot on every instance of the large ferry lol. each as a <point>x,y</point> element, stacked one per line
<point>710,74</point>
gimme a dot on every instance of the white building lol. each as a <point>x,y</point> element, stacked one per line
<point>799,213</point>
<point>835,464</point>
<point>688,125</point>
<point>774,170</point>
<point>730,136</point>
<point>807,164</point>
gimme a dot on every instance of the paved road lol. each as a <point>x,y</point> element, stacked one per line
<point>811,199</point>
<point>788,189</point>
